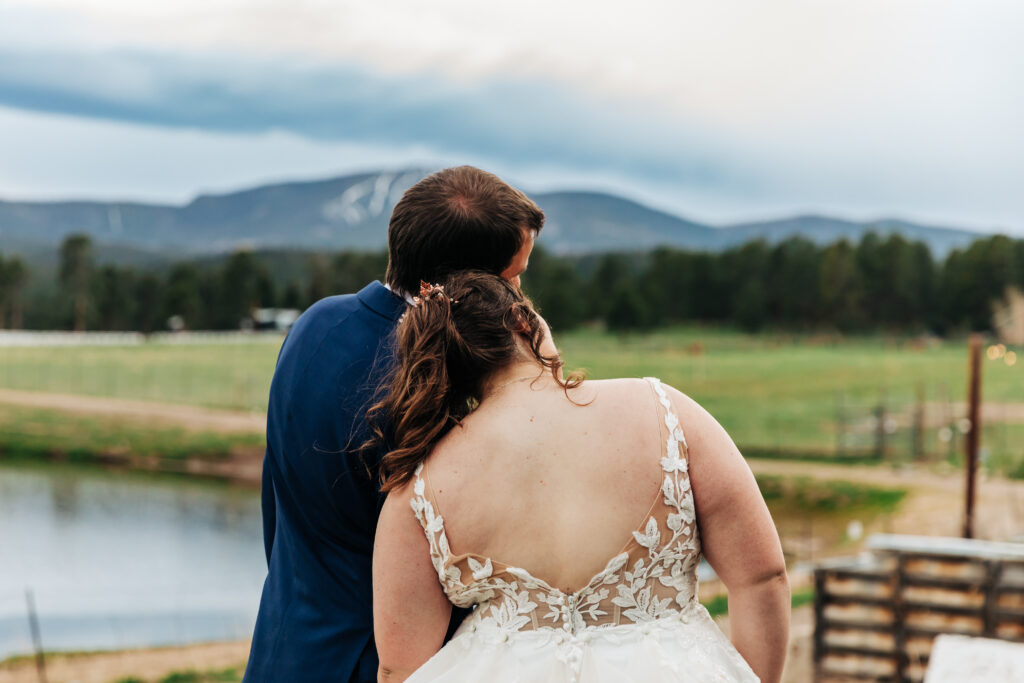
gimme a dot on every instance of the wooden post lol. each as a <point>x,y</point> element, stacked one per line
<point>840,424</point>
<point>880,429</point>
<point>37,641</point>
<point>974,431</point>
<point>917,431</point>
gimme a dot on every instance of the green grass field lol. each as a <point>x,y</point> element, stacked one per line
<point>775,393</point>
<point>229,376</point>
<point>191,676</point>
<point>33,433</point>
<point>782,392</point>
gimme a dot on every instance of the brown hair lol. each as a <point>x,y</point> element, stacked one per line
<point>446,349</point>
<point>456,219</point>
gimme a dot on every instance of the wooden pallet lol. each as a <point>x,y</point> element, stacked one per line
<point>876,616</point>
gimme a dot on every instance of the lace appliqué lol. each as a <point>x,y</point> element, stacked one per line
<point>654,577</point>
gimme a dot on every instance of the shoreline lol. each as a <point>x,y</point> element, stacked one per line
<point>239,468</point>
<point>138,664</point>
<point>128,435</point>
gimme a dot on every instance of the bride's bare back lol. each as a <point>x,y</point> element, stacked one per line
<point>535,481</point>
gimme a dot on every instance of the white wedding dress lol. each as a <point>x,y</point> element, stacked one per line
<point>638,619</point>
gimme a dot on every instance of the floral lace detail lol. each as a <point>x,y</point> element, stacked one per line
<point>654,577</point>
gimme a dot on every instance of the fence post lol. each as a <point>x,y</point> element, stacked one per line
<point>840,423</point>
<point>974,430</point>
<point>880,429</point>
<point>945,448</point>
<point>37,641</point>
<point>917,431</point>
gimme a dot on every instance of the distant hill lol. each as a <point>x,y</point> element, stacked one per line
<point>351,212</point>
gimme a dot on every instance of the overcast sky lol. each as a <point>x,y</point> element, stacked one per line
<point>719,111</point>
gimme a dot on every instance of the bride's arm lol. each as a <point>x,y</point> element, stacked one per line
<point>739,540</point>
<point>410,610</point>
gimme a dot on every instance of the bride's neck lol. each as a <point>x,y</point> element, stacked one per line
<point>513,373</point>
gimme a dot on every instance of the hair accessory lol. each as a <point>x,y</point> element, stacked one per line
<point>429,291</point>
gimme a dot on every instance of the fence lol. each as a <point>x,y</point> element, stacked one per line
<point>924,426</point>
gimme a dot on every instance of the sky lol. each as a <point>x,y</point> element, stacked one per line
<point>718,111</point>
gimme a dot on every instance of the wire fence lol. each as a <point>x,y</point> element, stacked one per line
<point>925,427</point>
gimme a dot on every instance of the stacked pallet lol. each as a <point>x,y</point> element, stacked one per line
<point>876,616</point>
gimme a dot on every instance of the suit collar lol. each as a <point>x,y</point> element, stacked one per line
<point>381,300</point>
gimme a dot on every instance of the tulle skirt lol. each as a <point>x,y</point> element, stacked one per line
<point>689,649</point>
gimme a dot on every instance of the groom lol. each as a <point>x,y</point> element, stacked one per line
<point>320,507</point>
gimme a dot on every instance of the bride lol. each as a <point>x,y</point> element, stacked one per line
<point>569,515</point>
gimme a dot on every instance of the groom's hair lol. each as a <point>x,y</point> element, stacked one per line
<point>457,219</point>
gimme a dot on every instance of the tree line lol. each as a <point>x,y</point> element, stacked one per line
<point>877,284</point>
<point>13,276</point>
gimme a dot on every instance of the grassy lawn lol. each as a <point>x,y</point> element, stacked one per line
<point>784,392</point>
<point>774,393</point>
<point>235,376</point>
<point>32,433</point>
<point>804,495</point>
<point>190,676</point>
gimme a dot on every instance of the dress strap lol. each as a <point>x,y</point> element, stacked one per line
<point>676,450</point>
<point>422,503</point>
<point>676,491</point>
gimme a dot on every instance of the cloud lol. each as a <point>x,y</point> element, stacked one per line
<point>721,110</point>
<point>52,156</point>
<point>516,121</point>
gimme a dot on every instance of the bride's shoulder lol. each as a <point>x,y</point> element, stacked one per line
<point>401,495</point>
<point>703,433</point>
<point>620,386</point>
<point>632,388</point>
<point>693,417</point>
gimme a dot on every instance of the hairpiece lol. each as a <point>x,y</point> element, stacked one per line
<point>429,291</point>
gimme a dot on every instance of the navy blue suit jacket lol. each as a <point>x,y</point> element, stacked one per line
<point>320,508</point>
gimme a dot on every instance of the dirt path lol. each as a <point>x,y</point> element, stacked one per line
<point>151,664</point>
<point>192,418</point>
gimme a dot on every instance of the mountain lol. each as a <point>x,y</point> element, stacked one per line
<point>578,222</point>
<point>351,212</point>
<point>347,212</point>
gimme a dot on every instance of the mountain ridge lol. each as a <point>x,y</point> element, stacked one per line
<point>352,211</point>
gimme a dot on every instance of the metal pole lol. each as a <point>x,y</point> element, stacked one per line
<point>974,430</point>
<point>37,641</point>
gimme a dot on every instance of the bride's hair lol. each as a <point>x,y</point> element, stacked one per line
<point>446,348</point>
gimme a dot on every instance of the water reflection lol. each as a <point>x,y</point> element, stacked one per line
<point>63,493</point>
<point>121,561</point>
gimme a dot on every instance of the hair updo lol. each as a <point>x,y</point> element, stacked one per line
<point>446,348</point>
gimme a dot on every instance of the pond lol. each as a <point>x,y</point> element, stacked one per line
<point>116,561</point>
